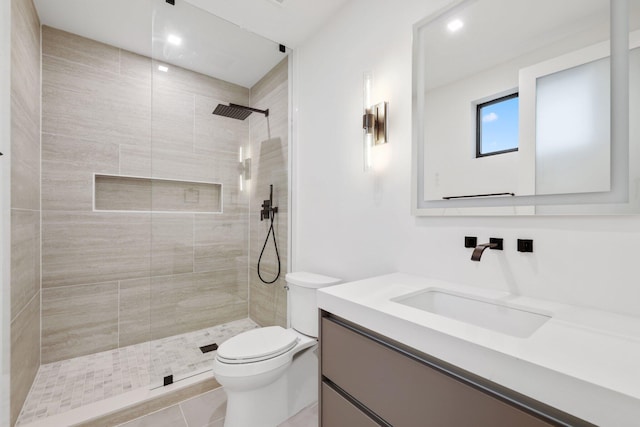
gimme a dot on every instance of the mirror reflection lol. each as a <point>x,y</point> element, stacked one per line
<point>513,99</point>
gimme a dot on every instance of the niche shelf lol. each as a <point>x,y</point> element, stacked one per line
<point>118,193</point>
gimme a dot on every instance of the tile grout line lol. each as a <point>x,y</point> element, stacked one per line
<point>99,141</point>
<point>193,138</point>
<point>41,245</point>
<point>193,244</point>
<point>25,210</point>
<point>50,288</point>
<point>89,139</point>
<point>118,317</point>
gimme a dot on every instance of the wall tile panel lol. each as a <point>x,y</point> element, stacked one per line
<point>25,159</point>
<point>81,248</point>
<point>220,242</point>
<point>25,353</point>
<point>182,303</point>
<point>24,283</point>
<point>171,244</point>
<point>25,258</point>
<point>134,299</point>
<point>74,48</point>
<point>89,103</point>
<point>68,165</point>
<point>79,320</point>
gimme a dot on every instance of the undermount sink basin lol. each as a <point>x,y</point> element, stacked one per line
<point>496,316</point>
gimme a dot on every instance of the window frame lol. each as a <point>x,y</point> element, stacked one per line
<point>479,124</point>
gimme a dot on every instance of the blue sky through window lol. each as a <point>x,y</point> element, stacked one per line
<point>499,126</point>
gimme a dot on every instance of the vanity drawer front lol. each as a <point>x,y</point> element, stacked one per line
<point>407,392</point>
<point>338,411</point>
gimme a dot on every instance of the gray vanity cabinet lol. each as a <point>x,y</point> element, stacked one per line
<point>338,411</point>
<point>367,381</point>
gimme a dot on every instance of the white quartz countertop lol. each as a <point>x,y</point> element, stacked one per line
<point>584,362</point>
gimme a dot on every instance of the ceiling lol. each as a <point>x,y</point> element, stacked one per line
<point>497,31</point>
<point>236,41</point>
<point>289,22</point>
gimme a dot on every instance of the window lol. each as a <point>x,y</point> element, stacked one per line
<point>497,126</point>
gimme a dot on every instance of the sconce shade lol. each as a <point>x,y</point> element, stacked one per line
<point>374,121</point>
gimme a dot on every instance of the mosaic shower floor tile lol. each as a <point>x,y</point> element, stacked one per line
<point>69,384</point>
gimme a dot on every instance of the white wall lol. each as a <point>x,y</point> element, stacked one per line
<point>353,224</point>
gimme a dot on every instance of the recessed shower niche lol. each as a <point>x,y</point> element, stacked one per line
<point>129,193</point>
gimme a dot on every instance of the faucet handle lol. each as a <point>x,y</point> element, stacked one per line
<point>470,242</point>
<point>525,245</point>
<point>498,243</point>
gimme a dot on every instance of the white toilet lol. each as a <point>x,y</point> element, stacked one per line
<point>271,373</point>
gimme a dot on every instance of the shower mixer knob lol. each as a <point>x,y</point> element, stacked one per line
<point>266,210</point>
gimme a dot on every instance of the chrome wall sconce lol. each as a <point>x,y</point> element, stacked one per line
<point>374,122</point>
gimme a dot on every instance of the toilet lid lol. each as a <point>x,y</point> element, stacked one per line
<point>257,344</point>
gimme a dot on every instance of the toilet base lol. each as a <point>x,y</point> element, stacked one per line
<point>293,390</point>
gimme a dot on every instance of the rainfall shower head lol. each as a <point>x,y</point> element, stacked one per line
<point>236,111</point>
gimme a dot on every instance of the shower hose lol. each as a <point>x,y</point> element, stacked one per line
<point>271,232</point>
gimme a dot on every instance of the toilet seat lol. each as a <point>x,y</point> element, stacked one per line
<point>257,345</point>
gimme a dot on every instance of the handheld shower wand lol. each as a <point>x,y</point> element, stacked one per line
<point>268,212</point>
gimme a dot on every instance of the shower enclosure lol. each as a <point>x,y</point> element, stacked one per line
<point>150,202</point>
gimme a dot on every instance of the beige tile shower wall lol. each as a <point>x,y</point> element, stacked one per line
<point>113,279</point>
<point>269,148</point>
<point>25,201</point>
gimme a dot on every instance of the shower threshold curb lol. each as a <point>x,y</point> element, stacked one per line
<point>133,404</point>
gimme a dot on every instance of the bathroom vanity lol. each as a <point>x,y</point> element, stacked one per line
<point>404,350</point>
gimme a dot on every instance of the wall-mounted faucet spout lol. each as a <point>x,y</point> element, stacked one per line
<point>494,243</point>
<point>477,252</point>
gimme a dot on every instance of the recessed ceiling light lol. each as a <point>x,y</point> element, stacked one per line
<point>163,68</point>
<point>173,39</point>
<point>455,25</point>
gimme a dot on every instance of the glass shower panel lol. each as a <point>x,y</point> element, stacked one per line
<point>200,182</point>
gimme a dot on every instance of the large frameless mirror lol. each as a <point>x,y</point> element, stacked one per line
<point>523,108</point>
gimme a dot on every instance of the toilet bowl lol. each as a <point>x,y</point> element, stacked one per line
<point>271,373</point>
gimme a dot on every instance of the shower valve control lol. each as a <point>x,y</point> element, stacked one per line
<point>267,206</point>
<point>266,210</point>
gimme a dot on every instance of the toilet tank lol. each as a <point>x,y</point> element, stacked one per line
<point>303,303</point>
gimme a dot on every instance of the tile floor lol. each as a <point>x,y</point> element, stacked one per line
<point>68,384</point>
<point>208,410</point>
